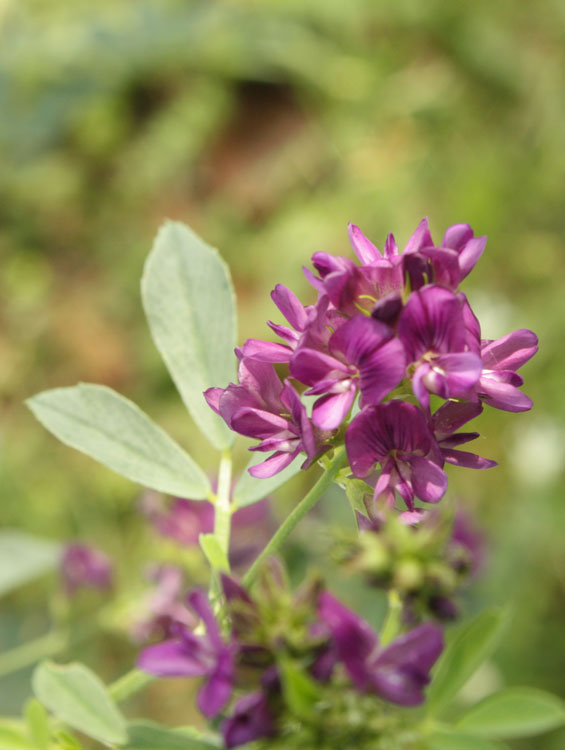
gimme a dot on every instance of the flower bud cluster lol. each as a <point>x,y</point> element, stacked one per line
<point>272,637</point>
<point>426,563</point>
<point>389,332</point>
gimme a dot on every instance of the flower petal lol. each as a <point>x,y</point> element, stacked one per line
<point>509,352</point>
<point>466,459</point>
<point>275,463</point>
<point>266,351</point>
<point>290,306</point>
<point>310,366</point>
<point>428,479</point>
<point>172,658</point>
<point>503,396</point>
<point>363,247</point>
<point>330,411</point>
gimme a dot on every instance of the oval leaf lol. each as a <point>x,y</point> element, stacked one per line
<point>467,648</point>
<point>78,697</point>
<point>514,712</point>
<point>190,305</point>
<point>98,421</point>
<point>146,735</point>
<point>448,739</point>
<point>250,490</point>
<point>24,557</point>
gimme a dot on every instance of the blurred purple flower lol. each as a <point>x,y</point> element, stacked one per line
<point>397,673</point>
<point>395,434</point>
<point>191,655</point>
<point>165,607</point>
<point>251,719</point>
<point>83,566</point>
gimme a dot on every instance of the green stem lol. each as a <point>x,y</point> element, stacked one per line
<point>393,620</point>
<point>129,684</point>
<point>222,510</point>
<point>303,507</point>
<point>31,652</point>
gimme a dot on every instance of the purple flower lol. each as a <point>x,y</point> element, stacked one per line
<point>446,265</point>
<point>433,330</point>
<point>499,382</point>
<point>259,388</point>
<point>191,655</point>
<point>364,355</point>
<point>287,436</point>
<point>395,434</point>
<point>164,606</point>
<point>397,673</point>
<point>184,520</point>
<point>83,566</point>
<point>251,719</point>
<point>445,423</point>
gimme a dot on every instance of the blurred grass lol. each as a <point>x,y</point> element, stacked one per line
<point>267,126</point>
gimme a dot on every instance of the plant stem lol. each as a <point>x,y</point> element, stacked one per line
<point>28,653</point>
<point>303,507</point>
<point>129,684</point>
<point>393,620</point>
<point>222,507</point>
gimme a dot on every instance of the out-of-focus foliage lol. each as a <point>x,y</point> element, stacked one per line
<point>267,126</point>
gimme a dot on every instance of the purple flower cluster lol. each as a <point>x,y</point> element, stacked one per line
<point>393,330</point>
<point>320,634</point>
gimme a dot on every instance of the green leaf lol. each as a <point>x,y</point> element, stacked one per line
<point>214,553</point>
<point>356,490</point>
<point>190,305</point>
<point>249,490</point>
<point>514,712</point>
<point>113,430</point>
<point>67,741</point>
<point>467,648</point>
<point>300,691</point>
<point>24,557</point>
<point>145,735</point>
<point>449,739</point>
<point>13,736</point>
<point>78,698</point>
<point>38,723</point>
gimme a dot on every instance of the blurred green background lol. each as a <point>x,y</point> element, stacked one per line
<point>268,126</point>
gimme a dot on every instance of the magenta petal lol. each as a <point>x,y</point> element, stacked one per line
<point>216,691</point>
<point>432,320</point>
<point>382,371</point>
<point>466,459</point>
<point>290,306</point>
<point>511,351</point>
<point>457,236</point>
<point>310,366</point>
<point>258,423</point>
<point>266,351</point>
<point>359,337</point>
<point>275,463</point>
<point>212,396</point>
<point>458,374</point>
<point>419,379</point>
<point>286,333</point>
<point>428,479</point>
<point>470,254</point>
<point>330,411</point>
<point>171,659</point>
<point>453,415</point>
<point>503,396</point>
<point>420,239</point>
<point>363,247</point>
